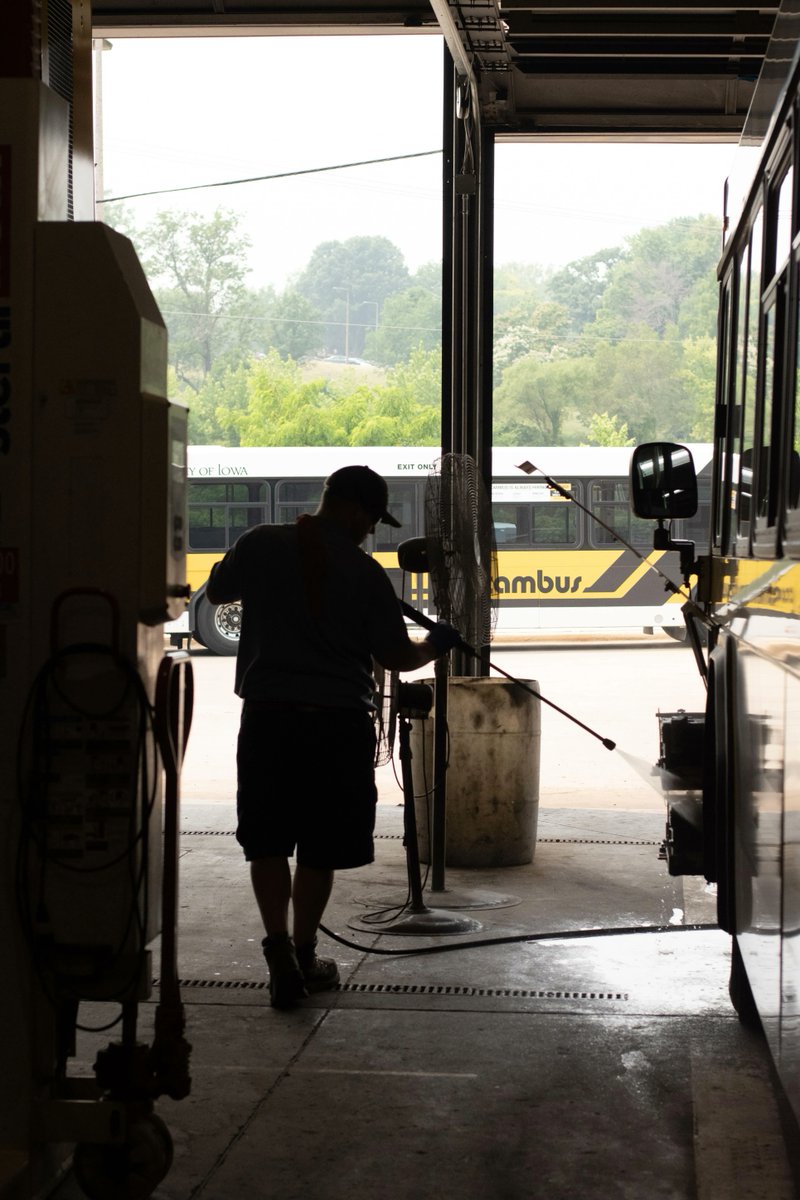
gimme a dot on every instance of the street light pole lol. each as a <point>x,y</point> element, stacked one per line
<point>346,291</point>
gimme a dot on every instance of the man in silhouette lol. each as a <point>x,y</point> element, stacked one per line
<point>316,611</point>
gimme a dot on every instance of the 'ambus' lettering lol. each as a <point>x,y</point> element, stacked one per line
<point>526,585</point>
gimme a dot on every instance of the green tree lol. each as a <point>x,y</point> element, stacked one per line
<point>538,402</point>
<point>699,376</point>
<point>608,431</point>
<point>420,378</point>
<point>275,393</point>
<point>390,416</point>
<point>270,404</point>
<point>517,288</point>
<point>698,311</point>
<point>117,215</point>
<point>215,406</point>
<point>429,276</point>
<point>197,269</point>
<point>579,286</point>
<point>638,380</point>
<point>518,341</point>
<point>293,326</point>
<point>411,319</point>
<point>544,335</point>
<point>660,271</point>
<point>344,280</point>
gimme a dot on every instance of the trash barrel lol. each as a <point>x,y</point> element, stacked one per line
<point>494,735</point>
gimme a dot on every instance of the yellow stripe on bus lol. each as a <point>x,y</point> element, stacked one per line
<point>566,575</point>
<point>557,574</point>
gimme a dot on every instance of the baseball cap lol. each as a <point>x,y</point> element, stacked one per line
<point>366,488</point>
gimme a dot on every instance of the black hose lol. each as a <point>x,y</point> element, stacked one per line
<point>559,935</point>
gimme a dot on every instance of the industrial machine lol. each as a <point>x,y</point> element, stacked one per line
<point>95,717</point>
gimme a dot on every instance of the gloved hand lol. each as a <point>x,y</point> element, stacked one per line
<point>444,637</point>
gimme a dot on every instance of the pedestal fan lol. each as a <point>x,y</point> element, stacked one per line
<point>462,561</point>
<point>459,553</point>
<point>397,704</point>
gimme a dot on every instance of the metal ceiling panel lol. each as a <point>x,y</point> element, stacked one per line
<point>219,17</point>
<point>583,69</point>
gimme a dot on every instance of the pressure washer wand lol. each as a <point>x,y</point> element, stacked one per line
<point>429,624</point>
<point>566,494</point>
<point>690,605</point>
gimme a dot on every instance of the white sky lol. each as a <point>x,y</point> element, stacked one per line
<point>180,112</point>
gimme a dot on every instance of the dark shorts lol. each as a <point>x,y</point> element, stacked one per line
<point>306,785</point>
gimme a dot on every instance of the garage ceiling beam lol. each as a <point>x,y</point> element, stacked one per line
<point>610,69</point>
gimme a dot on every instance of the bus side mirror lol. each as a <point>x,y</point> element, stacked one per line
<point>663,482</point>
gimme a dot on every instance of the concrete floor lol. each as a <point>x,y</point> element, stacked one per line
<point>589,1068</point>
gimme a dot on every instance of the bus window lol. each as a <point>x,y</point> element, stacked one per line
<point>504,533</point>
<point>783,219</point>
<point>541,523</point>
<point>241,517</point>
<point>750,374</point>
<point>293,498</point>
<point>793,491</point>
<point>217,511</point>
<point>555,523</point>
<point>771,352</point>
<point>731,464</point>
<point>763,476</point>
<point>722,431</point>
<point>402,505</point>
<point>610,501</point>
<point>512,524</point>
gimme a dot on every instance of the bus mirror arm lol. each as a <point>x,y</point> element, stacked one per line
<point>663,541</point>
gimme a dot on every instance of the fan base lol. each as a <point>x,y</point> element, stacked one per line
<point>427,923</point>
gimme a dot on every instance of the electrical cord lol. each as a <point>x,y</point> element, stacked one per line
<point>100,1028</point>
<point>197,187</point>
<point>39,719</point>
<point>558,935</point>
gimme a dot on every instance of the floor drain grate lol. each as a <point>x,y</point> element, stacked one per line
<point>207,833</point>
<point>416,989</point>
<point>597,841</point>
<point>396,837</point>
<point>429,989</point>
<point>231,833</point>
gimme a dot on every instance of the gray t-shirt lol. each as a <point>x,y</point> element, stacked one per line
<point>316,609</point>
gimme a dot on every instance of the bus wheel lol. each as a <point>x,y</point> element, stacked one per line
<point>219,626</point>
<point>740,991</point>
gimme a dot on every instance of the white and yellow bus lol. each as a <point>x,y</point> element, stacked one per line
<point>740,827</point>
<point>558,569</point>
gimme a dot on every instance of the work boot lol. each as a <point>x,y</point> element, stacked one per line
<point>319,974</point>
<point>286,985</point>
